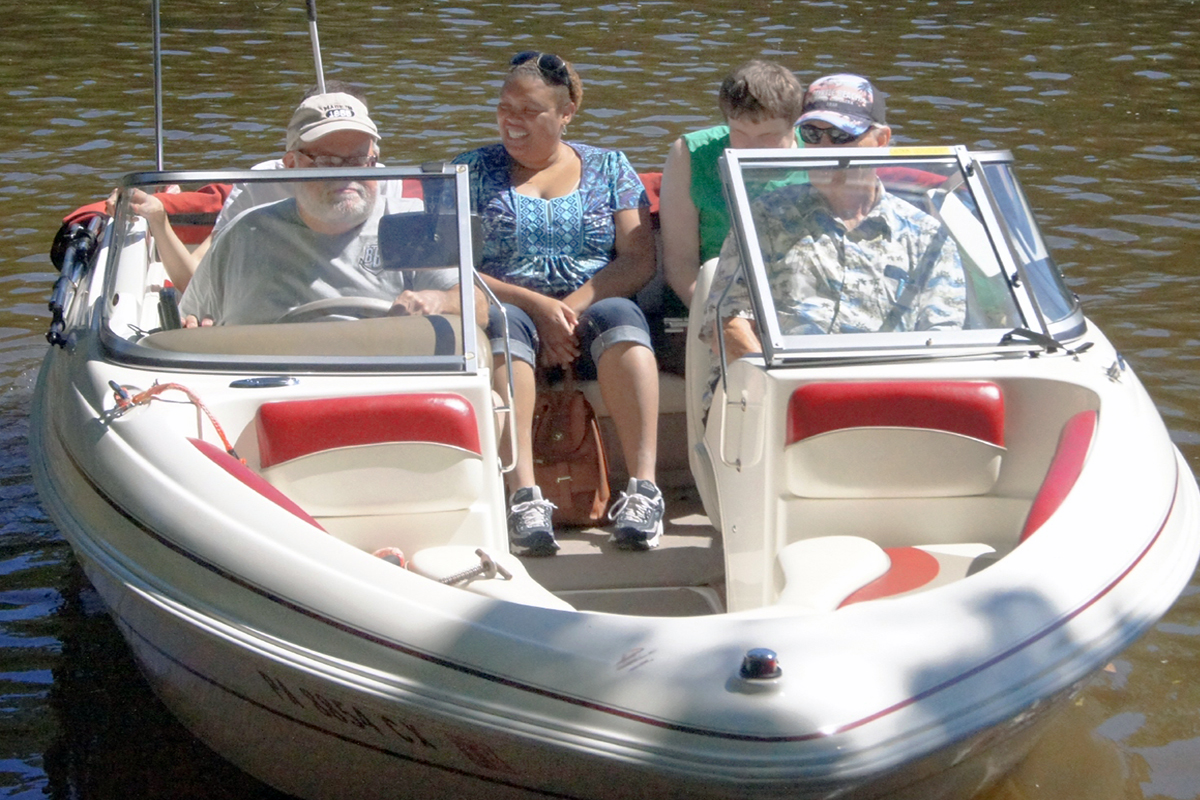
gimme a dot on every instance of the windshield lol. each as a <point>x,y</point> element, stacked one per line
<point>902,248</point>
<point>314,268</point>
<point>1055,301</point>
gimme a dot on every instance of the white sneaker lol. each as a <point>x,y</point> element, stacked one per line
<point>530,531</point>
<point>638,514</point>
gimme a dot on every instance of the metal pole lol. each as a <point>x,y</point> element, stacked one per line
<point>316,44</point>
<point>158,102</point>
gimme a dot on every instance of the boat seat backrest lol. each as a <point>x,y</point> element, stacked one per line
<point>384,454</point>
<point>1065,468</point>
<point>894,439</point>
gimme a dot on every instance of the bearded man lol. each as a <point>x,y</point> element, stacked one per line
<point>320,243</point>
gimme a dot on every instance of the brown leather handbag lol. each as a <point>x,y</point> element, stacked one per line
<point>568,455</point>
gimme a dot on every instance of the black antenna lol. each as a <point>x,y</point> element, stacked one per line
<point>316,43</point>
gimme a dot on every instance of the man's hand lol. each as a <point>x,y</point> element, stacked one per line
<point>422,303</point>
<point>148,206</point>
<point>190,321</point>
<point>741,338</point>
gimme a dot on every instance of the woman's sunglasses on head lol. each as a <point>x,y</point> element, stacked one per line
<point>551,66</point>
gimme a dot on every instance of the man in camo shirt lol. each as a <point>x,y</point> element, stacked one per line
<point>842,255</point>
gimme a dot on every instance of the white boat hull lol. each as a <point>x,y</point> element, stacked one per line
<point>324,701</point>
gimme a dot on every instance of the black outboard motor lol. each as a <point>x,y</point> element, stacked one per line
<point>72,253</point>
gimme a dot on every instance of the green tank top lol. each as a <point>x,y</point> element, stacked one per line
<point>705,147</point>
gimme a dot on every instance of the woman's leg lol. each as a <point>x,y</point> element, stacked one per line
<point>530,527</point>
<point>524,399</point>
<point>628,375</point>
<point>523,345</point>
<point>616,339</point>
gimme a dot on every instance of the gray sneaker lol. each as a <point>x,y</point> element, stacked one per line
<point>638,515</point>
<point>530,531</point>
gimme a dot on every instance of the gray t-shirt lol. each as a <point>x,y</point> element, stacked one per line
<point>244,196</point>
<point>268,262</point>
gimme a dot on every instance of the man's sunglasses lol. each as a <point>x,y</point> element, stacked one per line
<point>811,134</point>
<point>551,66</point>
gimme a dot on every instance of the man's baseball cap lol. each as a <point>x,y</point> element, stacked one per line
<point>848,102</point>
<point>323,114</point>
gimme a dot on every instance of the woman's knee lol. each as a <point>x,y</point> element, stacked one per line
<point>522,333</point>
<point>611,322</point>
<point>614,312</point>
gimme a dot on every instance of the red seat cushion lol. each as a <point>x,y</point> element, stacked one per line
<point>911,569</point>
<point>970,408</point>
<point>244,474</point>
<point>293,428</point>
<point>1065,468</point>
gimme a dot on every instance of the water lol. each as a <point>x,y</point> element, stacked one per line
<point>1097,101</point>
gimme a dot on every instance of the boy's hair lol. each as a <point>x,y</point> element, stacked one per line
<point>760,90</point>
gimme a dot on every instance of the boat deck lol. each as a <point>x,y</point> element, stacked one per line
<point>683,576</point>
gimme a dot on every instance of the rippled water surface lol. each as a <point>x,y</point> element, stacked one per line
<point>1096,99</point>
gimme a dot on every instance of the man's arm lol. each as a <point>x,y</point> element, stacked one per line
<point>199,302</point>
<point>741,338</point>
<point>426,302</point>
<point>736,320</point>
<point>680,221</point>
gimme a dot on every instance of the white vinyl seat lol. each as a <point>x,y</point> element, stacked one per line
<point>897,441</point>
<point>373,455</point>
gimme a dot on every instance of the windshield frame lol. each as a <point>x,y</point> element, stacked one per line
<point>789,348</point>
<point>124,232</point>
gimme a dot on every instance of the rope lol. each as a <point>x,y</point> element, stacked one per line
<point>126,401</point>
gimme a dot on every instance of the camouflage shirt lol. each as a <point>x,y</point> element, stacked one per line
<point>897,270</point>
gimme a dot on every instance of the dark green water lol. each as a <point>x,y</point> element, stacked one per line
<point>1097,100</point>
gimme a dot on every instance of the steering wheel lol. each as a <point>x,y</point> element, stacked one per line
<point>338,306</point>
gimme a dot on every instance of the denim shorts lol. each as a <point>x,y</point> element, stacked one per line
<point>605,323</point>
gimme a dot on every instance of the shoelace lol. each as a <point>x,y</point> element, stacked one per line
<point>532,512</point>
<point>637,506</point>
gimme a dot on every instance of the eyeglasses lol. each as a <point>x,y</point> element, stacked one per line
<point>550,65</point>
<point>811,134</point>
<point>339,161</point>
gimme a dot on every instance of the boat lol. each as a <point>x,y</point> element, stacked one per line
<point>889,556</point>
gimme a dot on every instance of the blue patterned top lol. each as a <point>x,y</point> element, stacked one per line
<point>550,246</point>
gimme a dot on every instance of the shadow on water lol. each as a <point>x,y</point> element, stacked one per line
<point>115,739</point>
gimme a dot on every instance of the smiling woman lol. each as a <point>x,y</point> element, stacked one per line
<point>567,243</point>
